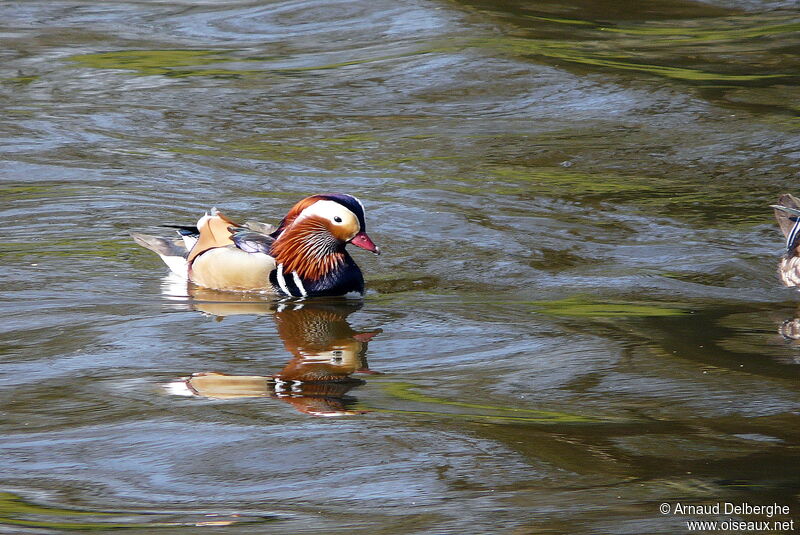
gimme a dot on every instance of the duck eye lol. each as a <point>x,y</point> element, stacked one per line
<point>337,219</point>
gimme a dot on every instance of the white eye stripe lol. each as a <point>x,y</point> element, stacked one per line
<point>329,210</point>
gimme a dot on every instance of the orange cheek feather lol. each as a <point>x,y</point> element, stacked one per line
<point>290,250</point>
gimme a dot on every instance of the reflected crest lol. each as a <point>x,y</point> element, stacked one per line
<point>326,351</point>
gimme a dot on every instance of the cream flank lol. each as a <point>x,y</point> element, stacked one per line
<point>229,268</point>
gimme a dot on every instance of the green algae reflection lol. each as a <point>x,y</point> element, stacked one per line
<point>729,50</point>
<point>582,306</point>
<point>478,411</point>
<point>717,203</point>
<point>67,248</point>
<point>16,192</point>
<point>14,511</point>
<point>570,52</point>
<point>181,63</point>
<point>161,62</point>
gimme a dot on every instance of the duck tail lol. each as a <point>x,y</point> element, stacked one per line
<point>171,250</point>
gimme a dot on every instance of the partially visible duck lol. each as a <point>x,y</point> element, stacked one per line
<point>304,256</point>
<point>787,212</point>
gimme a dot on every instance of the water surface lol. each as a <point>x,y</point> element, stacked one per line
<point>576,317</point>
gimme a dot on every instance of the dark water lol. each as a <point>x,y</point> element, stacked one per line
<point>576,317</point>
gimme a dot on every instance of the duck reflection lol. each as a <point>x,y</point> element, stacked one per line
<point>790,331</point>
<point>325,351</point>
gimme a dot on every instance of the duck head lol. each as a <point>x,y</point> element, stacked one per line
<point>311,239</point>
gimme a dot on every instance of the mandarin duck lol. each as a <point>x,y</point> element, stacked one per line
<point>787,212</point>
<point>304,256</point>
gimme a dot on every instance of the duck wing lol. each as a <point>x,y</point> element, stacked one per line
<point>251,241</point>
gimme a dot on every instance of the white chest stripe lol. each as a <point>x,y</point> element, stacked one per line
<point>792,236</point>
<point>299,284</point>
<point>282,281</point>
